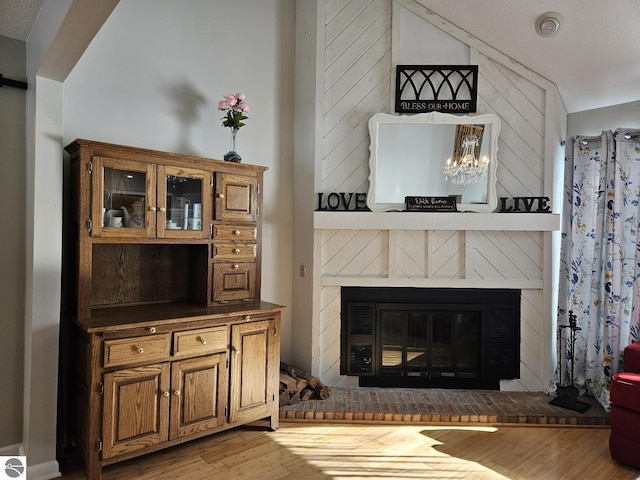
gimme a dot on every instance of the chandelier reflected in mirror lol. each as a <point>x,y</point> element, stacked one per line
<point>465,166</point>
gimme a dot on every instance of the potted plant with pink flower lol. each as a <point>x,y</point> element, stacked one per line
<point>236,109</point>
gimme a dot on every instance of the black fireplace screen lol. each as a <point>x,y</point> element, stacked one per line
<point>430,333</point>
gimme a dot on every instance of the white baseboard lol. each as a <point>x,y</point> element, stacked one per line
<point>43,471</point>
<point>15,449</point>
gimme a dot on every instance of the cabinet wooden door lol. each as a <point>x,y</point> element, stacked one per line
<point>255,361</point>
<point>123,198</point>
<point>233,281</point>
<point>198,394</point>
<point>236,198</point>
<point>135,409</point>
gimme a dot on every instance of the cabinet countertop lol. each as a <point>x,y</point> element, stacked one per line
<point>115,318</point>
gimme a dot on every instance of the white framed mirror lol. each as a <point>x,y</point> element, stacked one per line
<point>408,155</point>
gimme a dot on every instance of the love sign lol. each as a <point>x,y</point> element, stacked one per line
<point>343,201</point>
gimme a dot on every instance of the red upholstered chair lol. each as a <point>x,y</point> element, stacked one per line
<point>624,441</point>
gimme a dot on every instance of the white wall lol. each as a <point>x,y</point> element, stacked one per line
<point>12,237</point>
<point>138,91</point>
<point>306,153</point>
<point>152,78</point>
<point>593,122</point>
<point>43,248</point>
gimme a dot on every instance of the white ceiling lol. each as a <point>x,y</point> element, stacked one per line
<point>594,59</point>
<point>17,17</point>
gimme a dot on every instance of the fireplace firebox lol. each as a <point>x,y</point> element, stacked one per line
<point>430,337</point>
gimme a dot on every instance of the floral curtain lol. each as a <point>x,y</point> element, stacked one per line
<point>600,257</point>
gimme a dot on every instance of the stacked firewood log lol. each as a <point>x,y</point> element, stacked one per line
<point>297,385</point>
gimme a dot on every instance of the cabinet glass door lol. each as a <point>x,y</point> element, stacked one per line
<point>182,210</point>
<point>122,198</point>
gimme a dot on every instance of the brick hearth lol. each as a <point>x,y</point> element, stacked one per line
<point>441,406</point>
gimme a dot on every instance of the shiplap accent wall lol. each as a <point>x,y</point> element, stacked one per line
<point>358,74</point>
<point>357,84</point>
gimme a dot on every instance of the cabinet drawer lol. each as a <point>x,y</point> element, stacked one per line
<point>196,342</point>
<point>234,252</point>
<point>127,351</point>
<point>234,233</point>
<point>233,281</point>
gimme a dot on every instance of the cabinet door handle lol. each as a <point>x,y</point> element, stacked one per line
<point>162,209</point>
<point>177,393</point>
<point>152,209</point>
<point>140,351</point>
<point>221,195</point>
<point>165,394</point>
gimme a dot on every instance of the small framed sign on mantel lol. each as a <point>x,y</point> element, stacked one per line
<point>431,204</point>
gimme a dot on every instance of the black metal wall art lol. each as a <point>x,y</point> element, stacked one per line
<point>436,88</point>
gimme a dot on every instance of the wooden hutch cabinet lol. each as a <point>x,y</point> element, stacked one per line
<point>164,333</point>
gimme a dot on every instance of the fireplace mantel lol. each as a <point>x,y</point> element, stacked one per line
<point>539,222</point>
<point>440,250</point>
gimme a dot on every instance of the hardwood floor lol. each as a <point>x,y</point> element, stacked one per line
<point>347,451</point>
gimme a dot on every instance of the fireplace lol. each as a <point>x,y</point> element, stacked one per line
<point>430,337</point>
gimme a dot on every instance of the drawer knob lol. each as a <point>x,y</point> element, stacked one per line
<point>203,341</point>
<point>152,330</point>
<point>247,317</point>
<point>236,266</point>
<point>221,195</point>
<point>140,351</point>
<point>236,233</point>
<point>177,393</point>
<point>165,394</point>
<point>236,251</point>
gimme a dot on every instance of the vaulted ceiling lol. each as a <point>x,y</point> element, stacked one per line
<point>594,59</point>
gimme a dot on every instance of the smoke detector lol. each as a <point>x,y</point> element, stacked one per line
<point>548,24</point>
